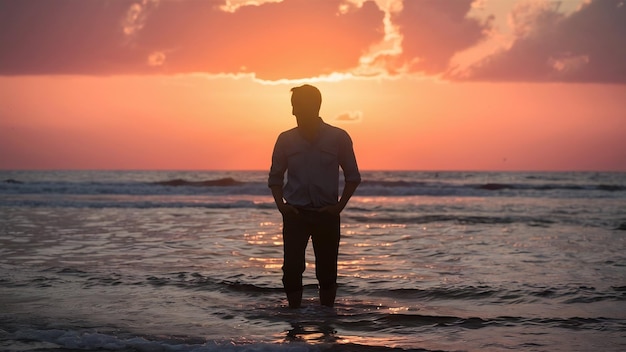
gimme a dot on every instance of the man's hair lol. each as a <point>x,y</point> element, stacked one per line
<point>307,95</point>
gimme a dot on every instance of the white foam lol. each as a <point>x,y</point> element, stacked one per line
<point>72,339</point>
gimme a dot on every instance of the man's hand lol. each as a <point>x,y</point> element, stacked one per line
<point>287,209</point>
<point>336,209</point>
<point>332,209</point>
<point>284,208</point>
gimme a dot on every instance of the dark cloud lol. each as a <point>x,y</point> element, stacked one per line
<point>63,36</point>
<point>586,46</point>
<point>305,38</point>
<point>434,30</point>
<point>291,39</point>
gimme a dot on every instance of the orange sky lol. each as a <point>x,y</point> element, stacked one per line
<point>428,85</point>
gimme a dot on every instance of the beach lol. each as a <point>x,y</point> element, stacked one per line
<point>429,261</point>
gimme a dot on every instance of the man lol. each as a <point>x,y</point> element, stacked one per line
<point>309,202</point>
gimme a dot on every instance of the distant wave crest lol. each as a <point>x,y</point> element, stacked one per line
<point>220,182</point>
<point>374,184</point>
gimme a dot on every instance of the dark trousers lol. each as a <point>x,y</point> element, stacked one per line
<point>323,229</point>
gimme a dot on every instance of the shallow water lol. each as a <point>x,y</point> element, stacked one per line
<point>428,262</point>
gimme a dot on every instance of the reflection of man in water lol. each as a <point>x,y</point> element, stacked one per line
<point>309,202</point>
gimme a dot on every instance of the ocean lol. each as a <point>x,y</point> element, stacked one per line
<point>429,261</point>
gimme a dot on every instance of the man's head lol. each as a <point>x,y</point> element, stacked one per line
<point>306,101</point>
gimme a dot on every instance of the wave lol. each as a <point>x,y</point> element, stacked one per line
<point>360,312</point>
<point>146,203</point>
<point>221,182</point>
<point>568,294</point>
<point>240,284</point>
<point>568,187</point>
<point>77,338</point>
<point>356,214</point>
<point>233,186</point>
<point>73,339</point>
<point>459,219</point>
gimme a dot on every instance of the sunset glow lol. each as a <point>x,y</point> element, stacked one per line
<point>432,85</point>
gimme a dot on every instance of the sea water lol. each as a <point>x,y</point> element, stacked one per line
<point>191,261</point>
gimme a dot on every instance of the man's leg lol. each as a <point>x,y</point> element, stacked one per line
<point>295,239</point>
<point>326,238</point>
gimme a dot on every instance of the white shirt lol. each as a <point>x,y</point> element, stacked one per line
<point>313,167</point>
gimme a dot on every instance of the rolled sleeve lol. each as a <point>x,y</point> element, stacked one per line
<point>279,164</point>
<point>347,161</point>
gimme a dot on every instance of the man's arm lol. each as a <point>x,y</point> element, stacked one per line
<point>277,173</point>
<point>352,176</point>
<point>284,208</point>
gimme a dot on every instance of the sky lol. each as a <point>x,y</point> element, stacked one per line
<point>503,85</point>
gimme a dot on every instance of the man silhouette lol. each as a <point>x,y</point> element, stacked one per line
<point>309,202</point>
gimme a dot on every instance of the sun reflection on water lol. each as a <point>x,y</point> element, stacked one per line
<point>267,263</point>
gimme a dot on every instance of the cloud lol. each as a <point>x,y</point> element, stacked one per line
<point>274,40</point>
<point>434,31</point>
<point>234,5</point>
<point>350,116</point>
<point>584,46</point>
<point>63,36</point>
<point>136,16</point>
